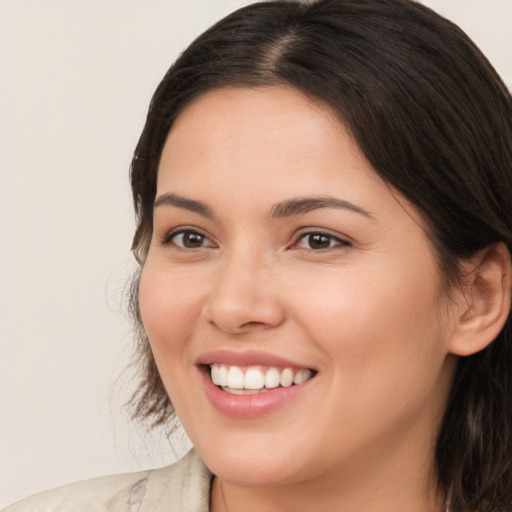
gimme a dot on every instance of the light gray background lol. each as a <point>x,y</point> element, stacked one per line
<point>76,77</point>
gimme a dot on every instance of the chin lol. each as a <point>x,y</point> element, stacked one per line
<point>261,472</point>
<point>255,459</point>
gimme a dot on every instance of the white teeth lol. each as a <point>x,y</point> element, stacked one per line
<point>244,391</point>
<point>302,376</point>
<point>272,378</point>
<point>223,376</point>
<point>234,391</point>
<point>215,373</point>
<point>286,378</point>
<point>233,378</point>
<point>254,379</point>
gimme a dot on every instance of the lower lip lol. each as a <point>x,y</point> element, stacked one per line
<point>249,406</point>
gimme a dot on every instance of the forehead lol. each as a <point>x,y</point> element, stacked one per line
<point>277,131</point>
<point>275,139</point>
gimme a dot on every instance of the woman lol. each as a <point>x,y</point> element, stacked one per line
<point>323,195</point>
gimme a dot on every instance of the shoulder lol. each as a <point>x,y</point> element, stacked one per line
<point>182,486</point>
<point>99,494</point>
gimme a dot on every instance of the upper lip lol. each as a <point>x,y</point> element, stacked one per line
<point>247,358</point>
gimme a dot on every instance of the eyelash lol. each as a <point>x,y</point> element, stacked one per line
<point>339,242</point>
<point>171,236</point>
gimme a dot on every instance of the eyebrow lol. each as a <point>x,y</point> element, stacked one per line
<point>184,203</point>
<point>296,206</point>
<point>302,205</point>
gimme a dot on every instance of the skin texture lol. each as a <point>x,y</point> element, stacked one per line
<point>368,313</point>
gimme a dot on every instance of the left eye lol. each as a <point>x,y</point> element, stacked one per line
<point>190,240</point>
<point>318,241</point>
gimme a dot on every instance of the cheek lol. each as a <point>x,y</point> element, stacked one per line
<point>375,324</point>
<point>354,301</point>
<point>168,307</point>
<point>385,350</point>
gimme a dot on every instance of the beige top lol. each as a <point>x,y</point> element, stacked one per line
<point>181,487</point>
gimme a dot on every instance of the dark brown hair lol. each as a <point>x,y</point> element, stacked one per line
<point>433,118</point>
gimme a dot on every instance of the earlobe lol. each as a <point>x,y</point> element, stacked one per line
<point>487,300</point>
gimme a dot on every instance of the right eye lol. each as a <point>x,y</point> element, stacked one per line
<point>188,239</point>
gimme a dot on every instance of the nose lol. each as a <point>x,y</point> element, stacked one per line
<point>244,297</point>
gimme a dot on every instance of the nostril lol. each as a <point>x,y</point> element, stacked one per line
<point>251,324</point>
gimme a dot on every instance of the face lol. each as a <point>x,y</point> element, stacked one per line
<point>279,256</point>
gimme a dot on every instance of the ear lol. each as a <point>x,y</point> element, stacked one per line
<point>486,300</point>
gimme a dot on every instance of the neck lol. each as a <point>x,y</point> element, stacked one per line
<point>229,498</point>
<point>384,485</point>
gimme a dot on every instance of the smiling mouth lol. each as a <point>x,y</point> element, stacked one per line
<point>250,380</point>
